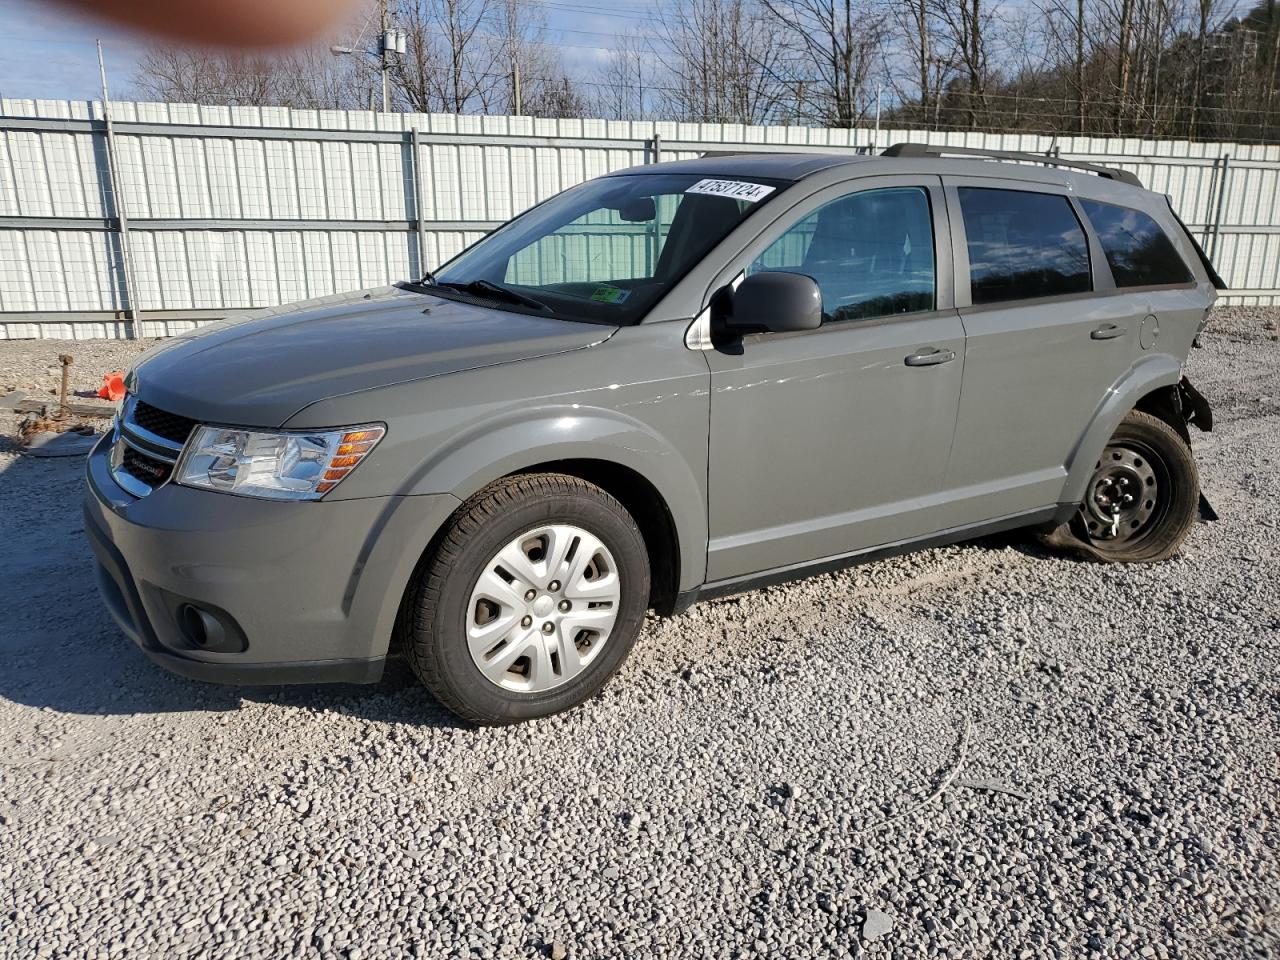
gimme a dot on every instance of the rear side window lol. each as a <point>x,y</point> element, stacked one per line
<point>1139,252</point>
<point>1023,245</point>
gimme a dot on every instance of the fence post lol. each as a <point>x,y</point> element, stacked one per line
<point>117,205</point>
<point>1217,213</point>
<point>1206,232</point>
<point>415,149</point>
<point>655,149</point>
<point>122,228</point>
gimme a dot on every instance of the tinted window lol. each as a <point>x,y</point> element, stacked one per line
<point>1139,252</point>
<point>871,254</point>
<point>1023,245</point>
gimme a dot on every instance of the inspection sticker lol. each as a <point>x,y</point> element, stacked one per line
<point>607,294</point>
<point>735,189</point>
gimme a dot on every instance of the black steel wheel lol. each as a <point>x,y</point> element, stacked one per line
<point>1141,498</point>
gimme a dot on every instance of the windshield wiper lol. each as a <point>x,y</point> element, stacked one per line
<point>495,291</point>
<point>425,283</point>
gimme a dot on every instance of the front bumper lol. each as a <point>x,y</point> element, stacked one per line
<point>296,592</point>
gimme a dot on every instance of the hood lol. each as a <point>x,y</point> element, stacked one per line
<point>259,370</point>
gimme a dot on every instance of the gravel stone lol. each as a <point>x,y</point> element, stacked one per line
<point>876,924</point>
<point>1133,710</point>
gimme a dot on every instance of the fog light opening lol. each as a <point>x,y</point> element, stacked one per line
<point>192,625</point>
<point>199,627</point>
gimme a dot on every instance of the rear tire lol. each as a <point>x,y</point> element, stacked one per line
<point>1142,496</point>
<point>531,600</point>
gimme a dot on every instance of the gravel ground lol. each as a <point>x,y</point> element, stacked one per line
<point>32,365</point>
<point>982,750</point>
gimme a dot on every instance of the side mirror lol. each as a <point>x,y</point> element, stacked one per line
<point>774,303</point>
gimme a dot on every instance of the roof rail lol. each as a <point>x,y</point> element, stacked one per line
<point>930,150</point>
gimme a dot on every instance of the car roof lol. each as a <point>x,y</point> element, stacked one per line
<point>797,166</point>
<point>778,166</point>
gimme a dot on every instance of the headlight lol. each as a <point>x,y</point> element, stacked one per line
<point>302,465</point>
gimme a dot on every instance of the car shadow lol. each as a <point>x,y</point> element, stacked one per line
<point>59,648</point>
<point>1023,541</point>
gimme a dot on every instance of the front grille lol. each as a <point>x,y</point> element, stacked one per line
<point>148,470</point>
<point>170,426</point>
<point>148,442</point>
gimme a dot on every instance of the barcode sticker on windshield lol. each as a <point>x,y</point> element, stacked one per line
<point>734,189</point>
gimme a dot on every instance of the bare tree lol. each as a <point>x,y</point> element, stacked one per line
<point>305,79</point>
<point>831,47</point>
<point>1204,11</point>
<point>919,87</point>
<point>722,64</point>
<point>1078,31</point>
<point>446,67</point>
<point>558,99</point>
<point>1184,68</point>
<point>1271,65</point>
<point>625,83</point>
<point>537,81</point>
<point>480,56</point>
<point>966,32</point>
<point>1066,24</point>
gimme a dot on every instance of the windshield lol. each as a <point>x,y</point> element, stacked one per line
<point>605,251</point>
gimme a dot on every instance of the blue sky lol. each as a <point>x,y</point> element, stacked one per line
<point>48,51</point>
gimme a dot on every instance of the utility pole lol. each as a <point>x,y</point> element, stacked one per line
<point>386,89</point>
<point>391,43</point>
<point>516,101</point>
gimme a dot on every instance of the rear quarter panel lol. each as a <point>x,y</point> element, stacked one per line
<point>1176,311</point>
<point>1151,372</point>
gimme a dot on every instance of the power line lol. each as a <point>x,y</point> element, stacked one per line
<point>579,8</point>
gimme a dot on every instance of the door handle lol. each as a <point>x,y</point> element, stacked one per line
<point>930,358</point>
<point>1108,331</point>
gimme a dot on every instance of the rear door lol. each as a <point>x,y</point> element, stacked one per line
<point>828,441</point>
<point>1045,337</point>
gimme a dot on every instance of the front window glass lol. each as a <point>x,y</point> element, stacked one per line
<point>1138,251</point>
<point>871,254</point>
<point>1022,245</point>
<point>606,251</point>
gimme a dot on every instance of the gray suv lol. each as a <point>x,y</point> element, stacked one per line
<point>671,383</point>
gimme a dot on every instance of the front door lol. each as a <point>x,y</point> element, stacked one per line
<point>831,441</point>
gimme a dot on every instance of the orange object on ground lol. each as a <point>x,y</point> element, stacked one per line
<point>112,386</point>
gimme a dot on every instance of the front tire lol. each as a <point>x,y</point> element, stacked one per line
<point>1142,496</point>
<point>531,600</point>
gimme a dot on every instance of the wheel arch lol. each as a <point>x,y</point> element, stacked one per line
<point>1163,403</point>
<point>641,468</point>
<point>632,489</point>
<point>647,507</point>
<point>1145,386</point>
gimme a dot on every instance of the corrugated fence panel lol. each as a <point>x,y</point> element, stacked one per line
<point>232,208</point>
<point>1254,196</point>
<point>30,176</point>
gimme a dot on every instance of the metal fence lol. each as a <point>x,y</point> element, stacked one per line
<point>163,215</point>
